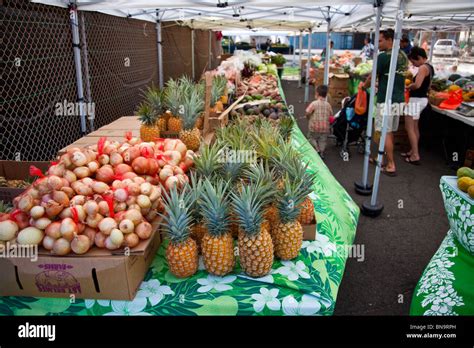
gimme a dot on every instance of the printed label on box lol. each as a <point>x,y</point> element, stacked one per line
<point>56,279</point>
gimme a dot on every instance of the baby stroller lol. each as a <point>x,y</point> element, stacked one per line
<point>349,128</point>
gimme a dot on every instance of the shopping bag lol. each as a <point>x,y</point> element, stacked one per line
<point>361,101</point>
<point>453,101</point>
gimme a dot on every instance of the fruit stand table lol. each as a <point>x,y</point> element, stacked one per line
<point>307,285</point>
<point>454,115</point>
<point>446,287</point>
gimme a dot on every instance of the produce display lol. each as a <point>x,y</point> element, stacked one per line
<point>260,84</point>
<point>466,180</point>
<point>14,183</point>
<point>104,195</point>
<point>264,108</point>
<point>335,61</point>
<point>441,88</point>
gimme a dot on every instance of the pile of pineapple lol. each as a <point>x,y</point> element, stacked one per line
<point>179,108</point>
<point>262,203</point>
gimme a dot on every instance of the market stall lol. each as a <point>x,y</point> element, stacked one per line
<point>305,285</point>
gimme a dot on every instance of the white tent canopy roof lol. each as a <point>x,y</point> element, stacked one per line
<point>284,14</point>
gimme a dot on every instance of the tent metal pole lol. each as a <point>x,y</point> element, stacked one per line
<point>432,46</point>
<point>294,50</point>
<point>308,66</point>
<point>210,50</point>
<point>77,63</point>
<point>230,37</point>
<point>373,208</point>
<point>87,72</point>
<point>364,188</point>
<point>300,55</point>
<point>160,51</point>
<point>328,51</point>
<point>192,54</point>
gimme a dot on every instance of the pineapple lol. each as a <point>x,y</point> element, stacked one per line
<point>219,84</point>
<point>198,229</point>
<point>286,127</point>
<point>155,98</point>
<point>193,104</point>
<point>200,121</point>
<point>217,243</point>
<point>182,251</point>
<point>149,131</point>
<point>209,161</point>
<point>172,99</point>
<point>288,233</point>
<point>255,242</point>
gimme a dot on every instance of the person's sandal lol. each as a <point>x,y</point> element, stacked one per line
<point>391,174</point>
<point>409,161</point>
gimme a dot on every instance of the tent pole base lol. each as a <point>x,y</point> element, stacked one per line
<point>361,189</point>
<point>371,210</point>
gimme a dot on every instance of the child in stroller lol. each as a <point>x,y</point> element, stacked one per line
<point>349,128</point>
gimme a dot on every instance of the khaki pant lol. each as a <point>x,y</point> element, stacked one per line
<point>318,140</point>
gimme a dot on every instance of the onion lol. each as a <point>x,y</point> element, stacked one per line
<point>70,176</point>
<point>103,208</point>
<point>66,160</point>
<point>25,203</point>
<point>130,154</point>
<point>33,193</point>
<point>99,240</point>
<point>131,240</point>
<point>91,208</point>
<point>78,159</point>
<point>55,182</point>
<point>115,159</point>
<point>93,221</point>
<point>48,242</point>
<point>64,183</point>
<point>30,236</point>
<point>78,200</point>
<point>134,206</point>
<point>133,188</point>
<point>87,181</point>
<point>131,200</point>
<point>82,172</point>
<point>53,209</point>
<point>109,245</point>
<point>120,195</point>
<point>80,244</point>
<point>134,215</point>
<point>143,230</point>
<point>61,197</point>
<point>104,159</point>
<point>68,228</point>
<point>155,193</point>
<point>177,170</point>
<point>182,180</point>
<point>46,198</point>
<point>146,188</point>
<point>107,225</point>
<point>90,233</point>
<point>61,247</point>
<point>151,215</point>
<point>143,201</point>
<point>93,166</point>
<point>54,230</point>
<point>166,172</point>
<point>119,216</point>
<point>90,154</point>
<point>118,207</point>
<point>57,169</point>
<point>139,180</point>
<point>68,191</point>
<point>80,228</point>
<point>116,236</point>
<point>100,187</point>
<point>122,168</point>
<point>8,230</point>
<point>42,223</point>
<point>105,174</point>
<point>66,213</point>
<point>153,166</point>
<point>140,165</point>
<point>175,157</point>
<point>171,182</point>
<point>189,158</point>
<point>181,148</point>
<point>130,175</point>
<point>84,190</point>
<point>37,211</point>
<point>126,226</point>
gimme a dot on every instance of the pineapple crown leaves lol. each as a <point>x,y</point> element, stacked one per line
<point>193,105</point>
<point>195,193</point>
<point>286,158</point>
<point>146,114</point>
<point>261,175</point>
<point>208,162</point>
<point>214,202</point>
<point>219,84</point>
<point>154,97</point>
<point>231,171</point>
<point>172,96</point>
<point>177,219</point>
<point>266,139</point>
<point>248,207</point>
<point>5,207</point>
<point>289,200</point>
<point>286,127</point>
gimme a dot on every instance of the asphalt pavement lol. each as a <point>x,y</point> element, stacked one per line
<point>401,241</point>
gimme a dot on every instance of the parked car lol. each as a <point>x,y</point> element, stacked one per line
<point>446,47</point>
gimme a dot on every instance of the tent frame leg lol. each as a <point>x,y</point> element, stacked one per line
<point>308,66</point>
<point>300,56</point>
<point>159,47</point>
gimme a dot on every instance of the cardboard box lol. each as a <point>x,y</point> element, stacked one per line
<point>309,231</point>
<point>469,159</point>
<point>99,274</point>
<point>17,170</point>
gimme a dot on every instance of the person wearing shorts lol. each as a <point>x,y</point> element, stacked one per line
<point>418,101</point>
<point>398,95</point>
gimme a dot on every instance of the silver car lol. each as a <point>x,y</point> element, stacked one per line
<point>446,47</point>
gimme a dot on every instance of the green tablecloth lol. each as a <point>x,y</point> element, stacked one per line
<point>307,285</point>
<point>447,284</point>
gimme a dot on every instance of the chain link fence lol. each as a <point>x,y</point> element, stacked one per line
<point>38,110</point>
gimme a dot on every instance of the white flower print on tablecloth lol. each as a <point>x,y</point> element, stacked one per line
<point>308,305</point>
<point>154,291</point>
<point>134,307</point>
<point>322,244</point>
<point>293,271</point>
<point>464,212</point>
<point>440,298</point>
<point>90,303</point>
<point>267,298</point>
<point>213,282</point>
<point>265,279</point>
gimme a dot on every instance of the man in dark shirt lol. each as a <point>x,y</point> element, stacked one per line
<point>405,45</point>
<point>398,95</point>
